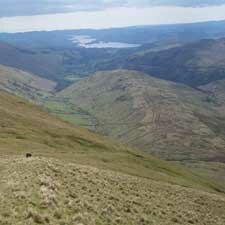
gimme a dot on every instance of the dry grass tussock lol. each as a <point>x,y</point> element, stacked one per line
<point>48,191</point>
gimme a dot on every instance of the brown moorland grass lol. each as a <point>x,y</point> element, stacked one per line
<point>47,191</point>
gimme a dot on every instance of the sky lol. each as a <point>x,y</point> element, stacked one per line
<point>36,7</point>
<point>33,15</point>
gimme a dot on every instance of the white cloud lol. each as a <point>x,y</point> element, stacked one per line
<point>37,7</point>
<point>112,17</point>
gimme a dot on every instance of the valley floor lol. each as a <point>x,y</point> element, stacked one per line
<point>42,190</point>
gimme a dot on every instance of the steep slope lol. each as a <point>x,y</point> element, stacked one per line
<point>24,84</point>
<point>48,191</point>
<point>27,128</point>
<point>170,120</point>
<point>193,64</point>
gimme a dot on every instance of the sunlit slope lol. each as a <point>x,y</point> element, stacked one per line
<point>170,120</point>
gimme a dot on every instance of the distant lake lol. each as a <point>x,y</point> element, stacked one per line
<point>89,42</point>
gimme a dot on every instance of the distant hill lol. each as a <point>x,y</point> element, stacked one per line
<point>42,63</point>
<point>194,64</point>
<point>172,121</point>
<point>61,65</point>
<point>24,84</point>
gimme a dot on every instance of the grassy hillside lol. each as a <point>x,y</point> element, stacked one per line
<point>147,113</point>
<point>77,177</point>
<point>52,187</point>
<point>24,84</point>
<point>27,128</point>
<point>48,191</point>
<point>170,120</point>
